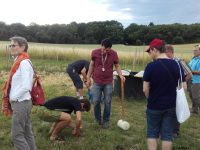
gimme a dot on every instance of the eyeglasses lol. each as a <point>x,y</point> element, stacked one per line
<point>13,45</point>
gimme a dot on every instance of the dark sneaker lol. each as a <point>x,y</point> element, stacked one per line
<point>99,123</point>
<point>105,125</point>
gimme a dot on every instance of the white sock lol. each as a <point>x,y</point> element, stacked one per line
<point>77,94</point>
<point>81,97</point>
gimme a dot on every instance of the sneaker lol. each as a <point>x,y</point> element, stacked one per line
<point>105,125</point>
<point>99,123</point>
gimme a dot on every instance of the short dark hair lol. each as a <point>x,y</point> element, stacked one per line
<point>86,103</point>
<point>161,48</point>
<point>106,43</point>
<point>21,41</point>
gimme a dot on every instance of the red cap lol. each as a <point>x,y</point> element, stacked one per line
<point>155,43</point>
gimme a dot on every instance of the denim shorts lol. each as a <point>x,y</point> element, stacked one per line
<point>160,123</point>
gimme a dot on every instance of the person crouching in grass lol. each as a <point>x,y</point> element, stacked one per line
<point>58,111</point>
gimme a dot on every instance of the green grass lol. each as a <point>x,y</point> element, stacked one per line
<point>94,138</point>
<point>57,83</point>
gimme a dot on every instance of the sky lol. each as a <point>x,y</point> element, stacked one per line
<point>82,11</point>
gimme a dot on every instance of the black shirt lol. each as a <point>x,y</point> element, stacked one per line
<point>79,65</point>
<point>64,103</point>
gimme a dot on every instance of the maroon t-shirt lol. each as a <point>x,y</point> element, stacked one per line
<point>100,76</point>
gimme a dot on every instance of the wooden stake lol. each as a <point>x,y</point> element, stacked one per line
<point>122,99</point>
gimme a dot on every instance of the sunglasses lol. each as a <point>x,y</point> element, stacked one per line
<point>13,45</point>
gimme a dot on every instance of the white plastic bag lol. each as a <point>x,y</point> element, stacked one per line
<point>182,108</point>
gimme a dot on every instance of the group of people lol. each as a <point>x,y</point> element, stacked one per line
<point>17,98</point>
<point>160,81</point>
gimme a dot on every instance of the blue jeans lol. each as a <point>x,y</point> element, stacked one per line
<point>97,92</point>
<point>160,122</point>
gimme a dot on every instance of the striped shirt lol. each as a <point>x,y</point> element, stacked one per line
<point>185,67</point>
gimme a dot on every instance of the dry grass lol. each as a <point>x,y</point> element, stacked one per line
<point>131,57</point>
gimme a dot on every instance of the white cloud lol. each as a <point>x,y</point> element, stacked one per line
<point>125,9</point>
<point>58,11</point>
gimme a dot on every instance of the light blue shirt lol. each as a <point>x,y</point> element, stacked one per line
<point>195,66</point>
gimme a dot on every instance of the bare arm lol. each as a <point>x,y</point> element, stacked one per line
<point>90,72</point>
<point>78,119</point>
<point>188,77</point>
<point>146,87</point>
<point>83,73</point>
<point>184,85</point>
<point>196,72</point>
<point>76,130</point>
<point>119,72</point>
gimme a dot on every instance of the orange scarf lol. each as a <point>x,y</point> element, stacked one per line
<point>6,107</point>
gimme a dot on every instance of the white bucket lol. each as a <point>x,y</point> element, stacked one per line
<point>123,124</point>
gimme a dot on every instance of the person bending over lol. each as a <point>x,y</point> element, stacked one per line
<point>58,110</point>
<point>74,70</point>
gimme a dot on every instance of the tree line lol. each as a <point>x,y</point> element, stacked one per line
<point>94,32</point>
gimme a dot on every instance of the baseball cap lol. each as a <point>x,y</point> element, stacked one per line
<point>155,43</point>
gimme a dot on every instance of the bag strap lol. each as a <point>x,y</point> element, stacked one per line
<point>180,75</point>
<point>35,73</point>
<point>170,72</point>
<point>164,66</point>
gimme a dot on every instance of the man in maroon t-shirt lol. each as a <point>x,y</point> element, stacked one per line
<point>101,66</point>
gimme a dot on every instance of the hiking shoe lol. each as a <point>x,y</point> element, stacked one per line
<point>105,125</point>
<point>99,123</point>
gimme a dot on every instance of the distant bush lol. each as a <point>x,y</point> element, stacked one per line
<point>178,40</point>
<point>138,42</point>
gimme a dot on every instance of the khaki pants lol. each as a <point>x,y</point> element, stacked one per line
<point>194,91</point>
<point>22,135</point>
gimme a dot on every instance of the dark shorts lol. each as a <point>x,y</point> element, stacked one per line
<point>75,77</point>
<point>160,123</point>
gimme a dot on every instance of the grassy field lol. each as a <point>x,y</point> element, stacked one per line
<point>56,83</point>
<point>131,57</point>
